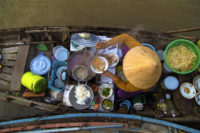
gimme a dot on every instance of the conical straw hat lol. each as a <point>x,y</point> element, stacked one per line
<point>142,67</point>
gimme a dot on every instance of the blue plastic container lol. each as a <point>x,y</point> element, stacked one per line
<point>171,83</point>
<point>126,102</point>
<point>40,65</point>
<point>55,65</point>
<point>60,53</point>
<point>59,84</point>
<point>149,45</point>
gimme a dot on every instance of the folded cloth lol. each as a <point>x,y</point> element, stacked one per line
<point>125,49</point>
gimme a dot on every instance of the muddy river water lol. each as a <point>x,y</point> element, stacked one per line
<point>153,15</point>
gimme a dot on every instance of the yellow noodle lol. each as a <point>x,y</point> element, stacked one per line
<point>181,58</point>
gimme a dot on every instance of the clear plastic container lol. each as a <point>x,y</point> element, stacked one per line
<point>170,105</point>
<point>162,106</point>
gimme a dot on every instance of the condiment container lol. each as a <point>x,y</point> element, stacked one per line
<point>107,105</point>
<point>170,83</point>
<point>138,102</point>
<point>187,90</point>
<point>196,82</point>
<point>162,106</point>
<point>104,86</point>
<point>124,106</point>
<point>170,105</point>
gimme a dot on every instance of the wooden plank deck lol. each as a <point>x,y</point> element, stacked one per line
<point>4,85</point>
<point>5,77</point>
<point>9,56</point>
<point>10,50</point>
<point>7,63</point>
<point>19,67</point>
<point>7,70</point>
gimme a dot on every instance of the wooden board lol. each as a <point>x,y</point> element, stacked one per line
<point>4,85</point>
<point>19,100</point>
<point>7,63</point>
<point>7,70</point>
<point>5,76</point>
<point>30,94</point>
<point>9,56</point>
<point>9,50</point>
<point>20,63</point>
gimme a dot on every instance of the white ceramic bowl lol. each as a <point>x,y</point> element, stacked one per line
<point>197,98</point>
<point>98,71</point>
<point>196,82</point>
<point>103,86</point>
<point>187,90</point>
<point>60,53</point>
<point>115,64</point>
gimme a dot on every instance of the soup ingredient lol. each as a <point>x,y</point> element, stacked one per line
<point>81,94</point>
<point>111,58</point>
<point>186,90</point>
<point>106,92</point>
<point>98,63</point>
<point>107,104</point>
<point>181,58</point>
<point>84,35</point>
<point>81,73</point>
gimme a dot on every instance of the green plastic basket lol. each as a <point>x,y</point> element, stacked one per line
<point>187,44</point>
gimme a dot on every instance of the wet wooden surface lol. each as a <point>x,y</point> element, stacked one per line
<point>19,67</point>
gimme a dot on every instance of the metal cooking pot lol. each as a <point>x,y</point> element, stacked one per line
<point>80,73</point>
<point>82,58</point>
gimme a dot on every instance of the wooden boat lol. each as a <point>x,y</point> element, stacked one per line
<point>93,122</point>
<point>19,47</point>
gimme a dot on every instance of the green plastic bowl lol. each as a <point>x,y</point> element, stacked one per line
<point>187,44</point>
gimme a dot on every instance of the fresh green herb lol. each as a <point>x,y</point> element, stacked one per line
<point>107,104</point>
<point>106,92</point>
